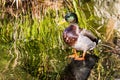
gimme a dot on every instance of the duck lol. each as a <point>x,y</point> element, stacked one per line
<point>79,39</point>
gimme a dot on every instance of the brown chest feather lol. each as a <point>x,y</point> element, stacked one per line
<point>69,40</point>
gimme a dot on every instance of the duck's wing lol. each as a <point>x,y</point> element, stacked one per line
<point>89,35</point>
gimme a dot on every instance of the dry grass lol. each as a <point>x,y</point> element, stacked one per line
<point>31,44</point>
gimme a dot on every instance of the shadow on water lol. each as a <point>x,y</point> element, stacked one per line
<point>79,70</point>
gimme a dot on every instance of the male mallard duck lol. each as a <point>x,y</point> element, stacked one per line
<point>78,38</point>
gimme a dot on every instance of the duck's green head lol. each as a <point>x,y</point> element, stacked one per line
<point>71,17</point>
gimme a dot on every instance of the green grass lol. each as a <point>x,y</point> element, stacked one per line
<point>34,46</point>
<point>34,49</point>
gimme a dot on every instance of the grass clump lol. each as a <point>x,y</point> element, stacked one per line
<point>31,45</point>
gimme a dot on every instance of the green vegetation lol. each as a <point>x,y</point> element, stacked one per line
<point>31,45</point>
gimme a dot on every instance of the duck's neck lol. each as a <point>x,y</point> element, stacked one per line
<point>76,24</point>
<point>77,27</point>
